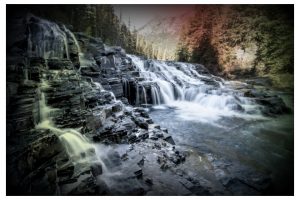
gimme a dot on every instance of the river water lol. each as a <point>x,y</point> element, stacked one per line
<point>263,144</point>
<point>214,119</point>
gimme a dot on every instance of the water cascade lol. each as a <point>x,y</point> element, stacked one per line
<point>144,94</point>
<point>137,99</point>
<point>77,146</point>
<point>49,41</point>
<point>80,54</point>
<point>179,85</point>
<point>126,87</point>
<point>155,95</point>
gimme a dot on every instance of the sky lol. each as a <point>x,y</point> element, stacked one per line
<point>142,14</point>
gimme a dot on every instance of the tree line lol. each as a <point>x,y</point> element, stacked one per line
<point>93,20</point>
<point>243,39</point>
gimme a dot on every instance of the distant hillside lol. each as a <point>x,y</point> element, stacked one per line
<point>159,37</point>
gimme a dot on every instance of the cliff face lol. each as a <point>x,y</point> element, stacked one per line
<point>57,110</point>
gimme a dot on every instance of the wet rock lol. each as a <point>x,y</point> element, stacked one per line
<point>59,64</point>
<point>239,188</point>
<point>139,173</point>
<point>124,157</point>
<point>141,123</point>
<point>153,126</point>
<point>169,139</point>
<point>141,162</point>
<point>149,181</point>
<point>64,181</point>
<point>150,121</point>
<point>137,191</point>
<point>159,134</point>
<point>143,135</point>
<point>87,186</point>
<point>117,107</point>
<point>132,138</point>
<point>66,171</point>
<point>153,136</point>
<point>273,105</point>
<point>157,146</point>
<point>164,130</point>
<point>96,169</point>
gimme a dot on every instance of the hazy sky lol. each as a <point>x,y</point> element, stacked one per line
<point>141,14</point>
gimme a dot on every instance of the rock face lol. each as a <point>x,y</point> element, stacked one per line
<point>52,93</point>
<point>75,89</point>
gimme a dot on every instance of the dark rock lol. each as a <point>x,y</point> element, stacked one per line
<point>66,171</point>
<point>117,107</point>
<point>149,181</point>
<point>153,136</point>
<point>141,162</point>
<point>132,138</point>
<point>273,105</point>
<point>58,64</point>
<point>139,173</point>
<point>87,186</point>
<point>67,181</point>
<point>96,169</point>
<point>124,157</point>
<point>143,135</point>
<point>164,130</point>
<point>141,123</point>
<point>169,139</point>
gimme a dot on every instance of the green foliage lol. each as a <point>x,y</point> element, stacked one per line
<point>182,54</point>
<point>263,35</point>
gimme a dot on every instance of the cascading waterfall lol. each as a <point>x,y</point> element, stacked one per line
<point>137,95</point>
<point>85,62</point>
<point>144,94</point>
<point>126,87</point>
<point>77,146</point>
<point>49,41</point>
<point>155,96</point>
<point>180,85</point>
<point>80,54</point>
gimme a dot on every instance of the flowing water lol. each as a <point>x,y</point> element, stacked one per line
<point>50,41</point>
<point>217,120</point>
<point>77,146</point>
<point>195,96</point>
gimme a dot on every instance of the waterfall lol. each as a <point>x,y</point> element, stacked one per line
<point>126,87</point>
<point>180,85</point>
<point>155,95</point>
<point>80,54</point>
<point>137,98</point>
<point>144,94</point>
<point>48,40</point>
<point>77,146</point>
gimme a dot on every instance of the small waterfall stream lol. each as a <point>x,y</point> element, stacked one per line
<point>50,41</point>
<point>77,146</point>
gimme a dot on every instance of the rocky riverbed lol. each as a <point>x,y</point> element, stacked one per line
<point>78,120</point>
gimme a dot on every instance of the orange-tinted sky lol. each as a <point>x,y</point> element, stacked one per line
<point>141,14</point>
